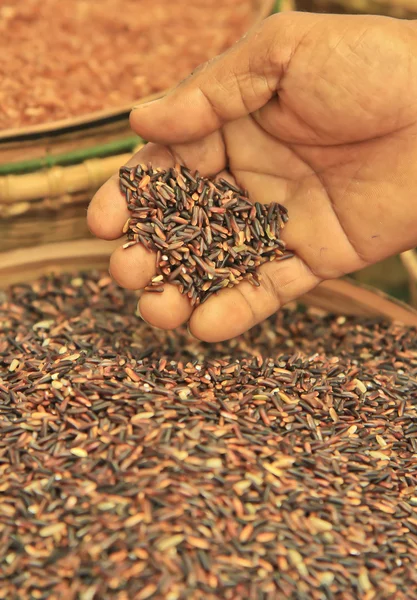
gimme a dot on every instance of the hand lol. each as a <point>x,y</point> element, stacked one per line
<point>317,112</point>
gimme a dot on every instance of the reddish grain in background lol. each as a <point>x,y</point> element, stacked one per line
<point>64,59</point>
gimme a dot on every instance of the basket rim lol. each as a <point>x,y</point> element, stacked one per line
<point>25,264</point>
<point>263,8</point>
<point>65,159</point>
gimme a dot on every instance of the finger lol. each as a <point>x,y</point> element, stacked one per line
<point>235,84</point>
<point>133,267</point>
<point>107,212</point>
<point>236,310</point>
<point>166,310</point>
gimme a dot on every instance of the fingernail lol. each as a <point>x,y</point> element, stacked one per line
<point>144,104</point>
<point>189,332</point>
<point>139,314</point>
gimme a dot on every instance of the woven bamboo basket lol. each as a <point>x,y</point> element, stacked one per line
<point>48,173</point>
<point>90,130</point>
<point>338,296</point>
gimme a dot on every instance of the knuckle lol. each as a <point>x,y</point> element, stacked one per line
<point>284,32</point>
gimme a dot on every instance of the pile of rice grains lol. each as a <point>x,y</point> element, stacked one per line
<point>207,234</point>
<point>66,59</point>
<point>137,463</point>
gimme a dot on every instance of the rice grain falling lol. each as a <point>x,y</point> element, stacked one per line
<point>207,234</point>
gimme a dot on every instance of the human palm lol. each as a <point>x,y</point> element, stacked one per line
<point>316,112</point>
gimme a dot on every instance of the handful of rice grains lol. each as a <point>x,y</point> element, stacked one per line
<point>206,233</point>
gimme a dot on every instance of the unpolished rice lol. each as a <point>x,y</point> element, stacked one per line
<point>64,59</point>
<point>206,234</point>
<point>136,463</point>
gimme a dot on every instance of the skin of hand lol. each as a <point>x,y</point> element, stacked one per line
<point>317,112</point>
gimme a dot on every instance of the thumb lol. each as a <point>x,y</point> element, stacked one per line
<point>226,88</point>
